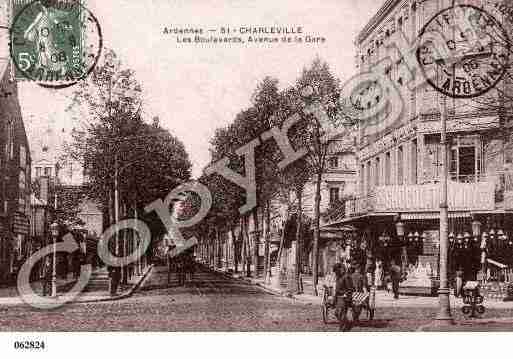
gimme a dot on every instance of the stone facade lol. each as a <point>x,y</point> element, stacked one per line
<point>15,164</point>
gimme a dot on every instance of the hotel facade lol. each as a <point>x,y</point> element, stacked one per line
<point>397,207</point>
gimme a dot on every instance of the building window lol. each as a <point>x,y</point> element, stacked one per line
<point>377,170</point>
<point>465,161</point>
<point>38,172</point>
<point>414,176</point>
<point>362,178</point>
<point>333,162</point>
<point>387,169</point>
<point>48,171</point>
<point>334,194</point>
<point>22,186</point>
<point>368,176</point>
<point>22,181</point>
<point>9,143</point>
<point>400,165</point>
<point>23,157</point>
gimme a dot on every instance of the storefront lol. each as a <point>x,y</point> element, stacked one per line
<point>480,245</point>
<point>5,252</point>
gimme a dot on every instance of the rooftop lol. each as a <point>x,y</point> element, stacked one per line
<point>385,9</point>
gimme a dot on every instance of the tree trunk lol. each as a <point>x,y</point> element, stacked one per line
<point>243,245</point>
<point>211,254</point>
<point>277,280</point>
<point>235,256</point>
<point>267,239</point>
<point>247,246</point>
<point>316,236</point>
<point>256,242</point>
<point>216,249</point>
<point>299,239</point>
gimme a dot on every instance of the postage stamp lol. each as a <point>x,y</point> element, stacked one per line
<point>479,53</point>
<point>54,43</point>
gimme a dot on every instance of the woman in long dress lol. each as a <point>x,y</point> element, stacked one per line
<point>378,275</point>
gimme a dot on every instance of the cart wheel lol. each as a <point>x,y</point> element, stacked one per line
<point>324,311</point>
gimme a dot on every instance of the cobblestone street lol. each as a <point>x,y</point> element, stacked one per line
<point>213,302</point>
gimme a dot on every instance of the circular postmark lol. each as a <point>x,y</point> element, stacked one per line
<point>54,43</point>
<point>475,52</point>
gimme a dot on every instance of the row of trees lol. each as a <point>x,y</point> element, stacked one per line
<point>129,162</point>
<point>271,107</point>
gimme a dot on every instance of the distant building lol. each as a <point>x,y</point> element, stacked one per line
<point>15,174</point>
<point>48,143</point>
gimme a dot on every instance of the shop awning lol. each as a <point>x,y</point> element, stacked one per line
<point>434,215</point>
<point>349,221</point>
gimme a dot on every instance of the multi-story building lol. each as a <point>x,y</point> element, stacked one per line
<point>15,165</point>
<point>399,162</point>
<point>48,139</point>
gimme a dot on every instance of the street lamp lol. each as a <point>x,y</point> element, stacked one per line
<point>399,227</point>
<point>54,231</point>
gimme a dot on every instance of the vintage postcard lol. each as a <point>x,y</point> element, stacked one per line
<point>241,166</point>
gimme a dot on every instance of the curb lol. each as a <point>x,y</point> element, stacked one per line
<point>17,301</point>
<point>265,288</point>
<point>125,295</point>
<point>433,327</point>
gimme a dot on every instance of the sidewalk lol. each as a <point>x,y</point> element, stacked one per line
<point>383,298</point>
<point>10,296</point>
<point>477,325</point>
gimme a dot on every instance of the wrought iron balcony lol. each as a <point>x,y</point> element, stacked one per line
<point>462,196</point>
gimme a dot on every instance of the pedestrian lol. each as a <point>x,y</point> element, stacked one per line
<point>77,263</point>
<point>115,276</point>
<point>459,282</point>
<point>370,268</point>
<point>395,277</point>
<point>359,286</point>
<point>378,274</point>
<point>192,267</point>
<point>171,265</point>
<point>343,296</point>
<point>47,276</point>
<point>180,268</point>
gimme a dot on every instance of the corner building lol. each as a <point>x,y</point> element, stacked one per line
<point>397,207</point>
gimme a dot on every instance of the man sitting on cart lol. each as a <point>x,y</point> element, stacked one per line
<point>343,295</point>
<point>360,288</point>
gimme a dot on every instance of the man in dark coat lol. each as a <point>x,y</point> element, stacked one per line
<point>47,276</point>
<point>180,268</point>
<point>395,276</point>
<point>343,295</point>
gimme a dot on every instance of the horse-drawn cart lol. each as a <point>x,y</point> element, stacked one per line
<point>367,301</point>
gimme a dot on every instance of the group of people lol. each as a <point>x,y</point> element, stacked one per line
<point>349,280</point>
<point>388,278</point>
<point>184,265</point>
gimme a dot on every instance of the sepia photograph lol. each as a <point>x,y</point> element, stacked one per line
<point>239,166</point>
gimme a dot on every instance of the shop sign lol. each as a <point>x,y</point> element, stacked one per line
<point>20,224</point>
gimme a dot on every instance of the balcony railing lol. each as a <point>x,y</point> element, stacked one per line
<point>484,192</point>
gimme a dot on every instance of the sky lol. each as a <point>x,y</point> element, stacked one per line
<point>196,88</point>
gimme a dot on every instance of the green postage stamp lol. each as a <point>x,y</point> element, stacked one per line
<point>51,41</point>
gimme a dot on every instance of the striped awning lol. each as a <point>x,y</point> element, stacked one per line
<point>433,215</point>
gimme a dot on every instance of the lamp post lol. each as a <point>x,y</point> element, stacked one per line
<point>444,314</point>
<point>54,230</point>
<point>399,227</point>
